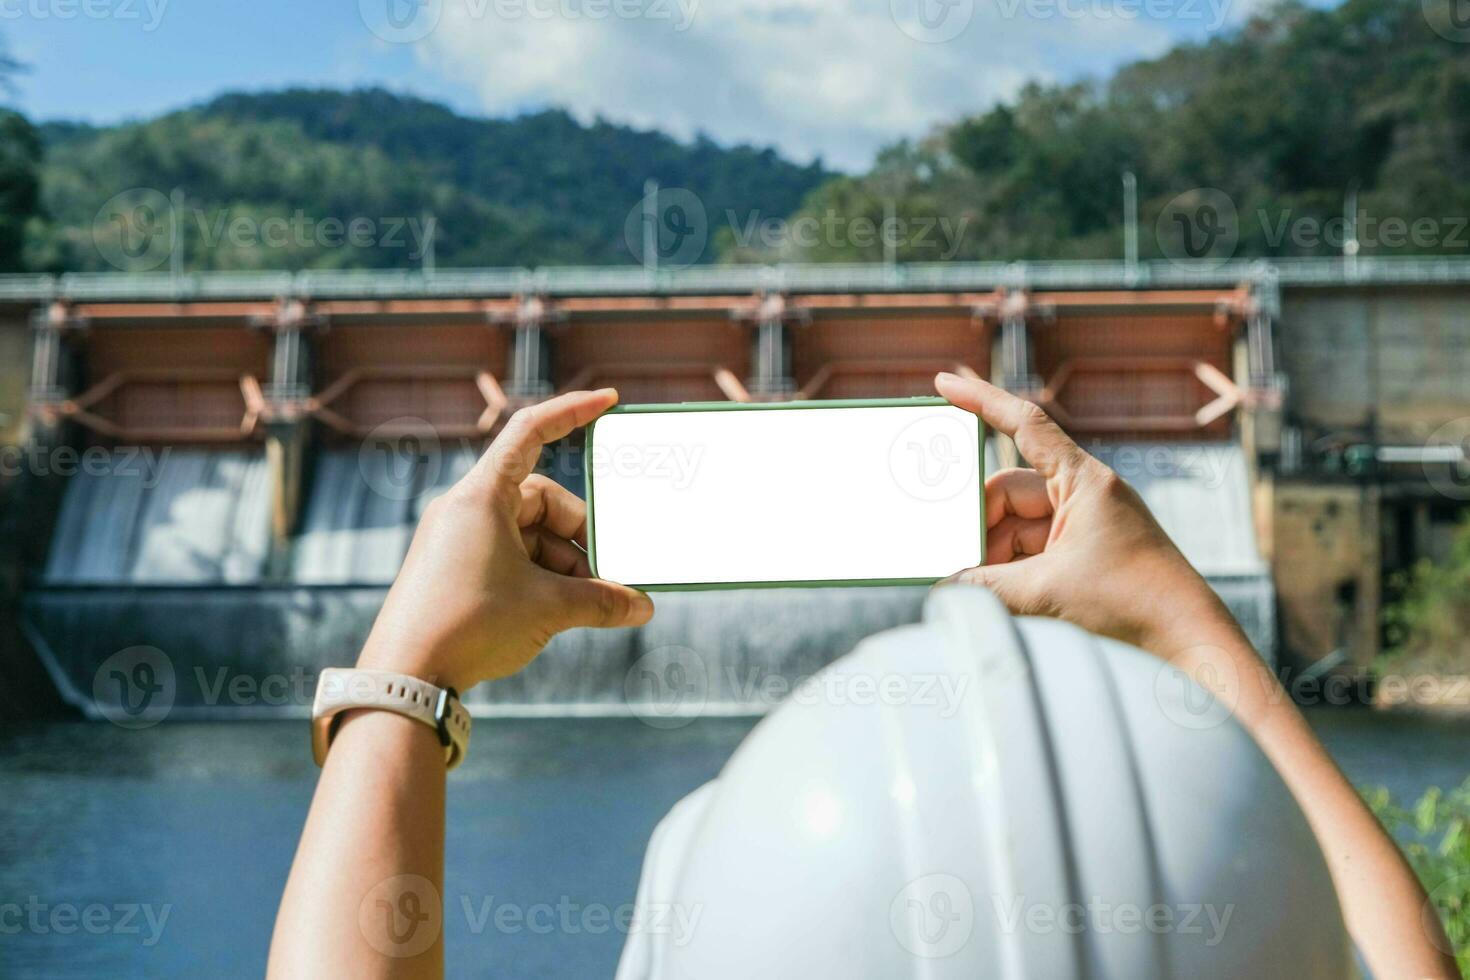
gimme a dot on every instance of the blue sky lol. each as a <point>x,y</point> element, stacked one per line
<point>836,78</point>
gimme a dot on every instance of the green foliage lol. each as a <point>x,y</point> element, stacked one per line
<point>1435,835</point>
<point>20,199</point>
<point>538,189</point>
<point>1284,116</point>
<point>1428,626</point>
<point>844,218</point>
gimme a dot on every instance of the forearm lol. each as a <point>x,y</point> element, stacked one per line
<point>1097,558</point>
<point>494,570</point>
<point>1382,901</point>
<point>364,895</point>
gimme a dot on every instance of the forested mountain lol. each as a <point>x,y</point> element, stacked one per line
<point>1266,132</point>
<point>535,189</point>
<point>1279,120</point>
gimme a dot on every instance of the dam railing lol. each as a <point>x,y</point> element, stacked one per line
<point>816,277</point>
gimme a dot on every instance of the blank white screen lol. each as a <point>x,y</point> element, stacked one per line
<point>795,495</point>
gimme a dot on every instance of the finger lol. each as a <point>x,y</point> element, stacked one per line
<point>1018,492</point>
<point>1016,537</point>
<point>595,602</point>
<point>1008,582</point>
<point>512,456</point>
<point>548,503</point>
<point>555,553</point>
<point>1040,440</point>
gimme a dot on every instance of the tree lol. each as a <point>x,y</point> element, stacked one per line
<point>1283,116</point>
<point>20,186</point>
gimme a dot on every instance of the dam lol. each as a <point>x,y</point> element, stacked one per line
<point>249,453</point>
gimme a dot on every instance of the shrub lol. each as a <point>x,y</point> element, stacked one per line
<point>1435,835</point>
<point>1428,627</point>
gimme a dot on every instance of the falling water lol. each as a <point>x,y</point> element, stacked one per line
<point>179,559</point>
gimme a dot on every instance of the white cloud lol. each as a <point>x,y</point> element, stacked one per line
<point>836,78</point>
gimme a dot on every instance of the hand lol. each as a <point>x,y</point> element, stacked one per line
<point>494,570</point>
<point>1072,540</point>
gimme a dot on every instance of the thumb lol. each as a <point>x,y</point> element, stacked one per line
<point>594,602</point>
<point>1010,583</point>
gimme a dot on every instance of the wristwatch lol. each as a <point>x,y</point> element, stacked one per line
<point>339,690</point>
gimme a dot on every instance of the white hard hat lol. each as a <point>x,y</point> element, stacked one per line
<point>981,796</point>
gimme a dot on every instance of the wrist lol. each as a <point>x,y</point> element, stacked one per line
<point>1196,618</point>
<point>341,692</point>
<point>425,661</point>
<point>385,729</point>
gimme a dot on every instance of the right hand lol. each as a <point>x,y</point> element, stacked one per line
<point>497,566</point>
<point>1072,540</point>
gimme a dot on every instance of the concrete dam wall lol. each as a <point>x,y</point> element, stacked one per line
<point>174,554</point>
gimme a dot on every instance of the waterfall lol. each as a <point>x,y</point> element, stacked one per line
<point>362,511</point>
<point>176,555</point>
<point>180,516</point>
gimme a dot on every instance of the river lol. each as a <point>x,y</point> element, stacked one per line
<point>161,853</point>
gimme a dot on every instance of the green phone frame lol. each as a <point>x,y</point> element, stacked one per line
<point>922,401</point>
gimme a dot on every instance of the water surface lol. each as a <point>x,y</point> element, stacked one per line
<point>201,819</point>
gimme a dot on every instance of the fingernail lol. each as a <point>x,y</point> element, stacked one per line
<point>946,376</point>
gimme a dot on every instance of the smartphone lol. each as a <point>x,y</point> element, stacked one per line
<point>724,495</point>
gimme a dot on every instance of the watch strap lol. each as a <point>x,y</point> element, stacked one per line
<point>346,689</point>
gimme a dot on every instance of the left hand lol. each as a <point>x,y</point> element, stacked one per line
<point>1070,539</point>
<point>494,570</point>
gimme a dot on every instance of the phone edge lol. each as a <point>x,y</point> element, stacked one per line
<point>917,401</point>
